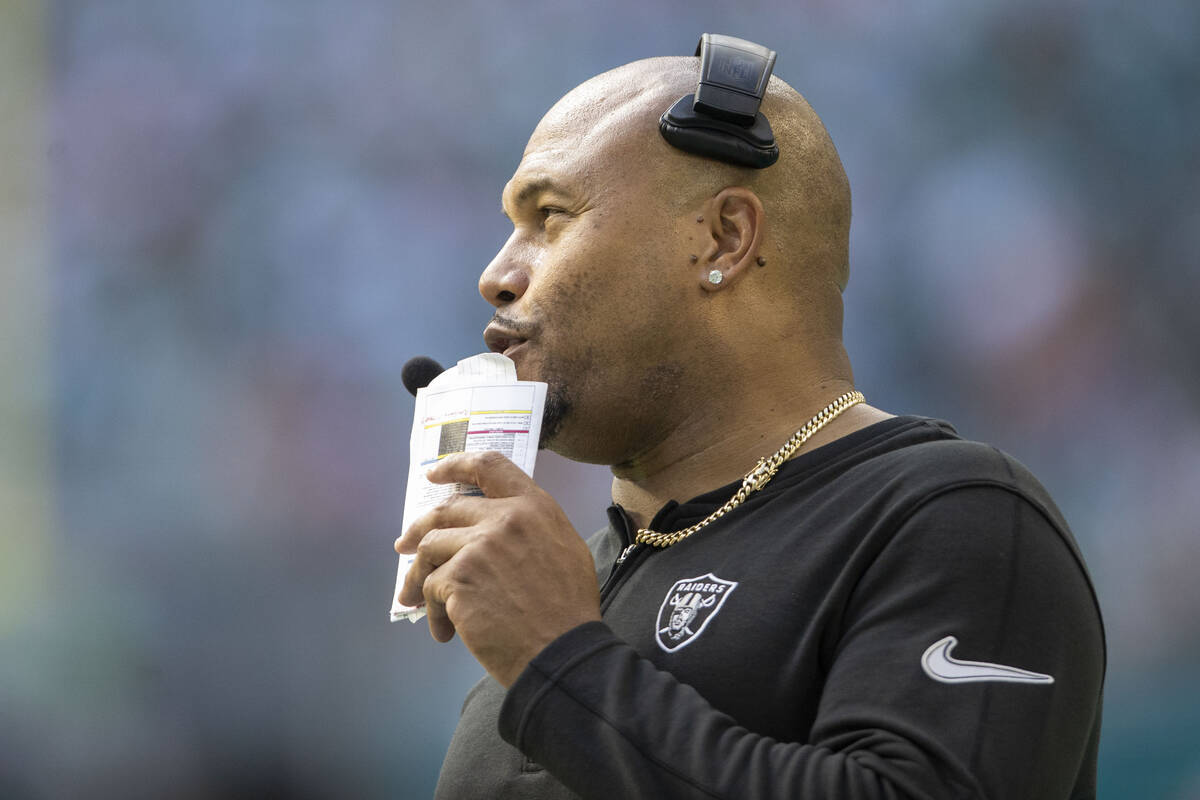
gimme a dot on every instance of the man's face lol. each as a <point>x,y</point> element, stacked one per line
<point>681,616</point>
<point>588,290</point>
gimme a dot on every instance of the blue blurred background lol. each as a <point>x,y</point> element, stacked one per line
<point>224,226</point>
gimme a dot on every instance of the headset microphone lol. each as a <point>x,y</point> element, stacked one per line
<point>418,372</point>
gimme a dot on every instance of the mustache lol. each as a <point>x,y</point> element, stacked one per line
<point>522,329</point>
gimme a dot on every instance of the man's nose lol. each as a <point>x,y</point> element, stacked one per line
<point>506,278</point>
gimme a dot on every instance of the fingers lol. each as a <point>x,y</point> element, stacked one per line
<point>457,511</point>
<point>496,475</point>
<point>440,535</point>
<point>492,472</point>
<point>440,626</point>
<point>436,548</point>
<point>424,582</point>
<point>439,590</point>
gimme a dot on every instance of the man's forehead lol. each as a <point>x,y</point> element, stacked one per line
<point>561,157</point>
<point>586,122</point>
<point>597,100</point>
<point>607,123</point>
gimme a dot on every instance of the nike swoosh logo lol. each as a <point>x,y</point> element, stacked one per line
<point>939,665</point>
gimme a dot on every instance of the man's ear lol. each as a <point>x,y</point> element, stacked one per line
<point>735,225</point>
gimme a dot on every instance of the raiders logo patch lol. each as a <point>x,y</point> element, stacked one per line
<point>688,608</point>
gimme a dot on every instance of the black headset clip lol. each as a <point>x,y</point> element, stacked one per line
<point>721,119</point>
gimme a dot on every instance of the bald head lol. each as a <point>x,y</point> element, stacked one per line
<point>613,121</point>
<point>636,272</point>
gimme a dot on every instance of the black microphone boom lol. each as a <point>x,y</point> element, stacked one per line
<point>418,372</point>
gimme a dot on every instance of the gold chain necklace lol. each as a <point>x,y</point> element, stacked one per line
<point>758,477</point>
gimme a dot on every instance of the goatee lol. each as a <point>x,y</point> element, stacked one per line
<point>558,405</point>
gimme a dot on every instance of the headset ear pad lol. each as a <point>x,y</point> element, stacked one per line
<point>721,120</point>
<point>705,136</point>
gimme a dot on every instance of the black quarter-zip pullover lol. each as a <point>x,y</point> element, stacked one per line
<point>897,614</point>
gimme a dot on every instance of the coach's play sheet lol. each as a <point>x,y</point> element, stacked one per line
<point>476,405</point>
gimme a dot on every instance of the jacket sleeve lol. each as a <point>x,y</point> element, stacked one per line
<point>897,718</point>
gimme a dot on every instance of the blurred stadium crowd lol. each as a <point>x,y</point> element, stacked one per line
<point>254,213</point>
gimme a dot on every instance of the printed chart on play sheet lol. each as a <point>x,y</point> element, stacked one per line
<point>458,418</point>
<point>468,421</point>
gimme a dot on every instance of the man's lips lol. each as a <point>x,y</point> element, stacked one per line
<point>500,340</point>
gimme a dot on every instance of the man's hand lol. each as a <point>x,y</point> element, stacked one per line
<point>507,570</point>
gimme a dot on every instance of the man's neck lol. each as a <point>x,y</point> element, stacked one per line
<point>701,454</point>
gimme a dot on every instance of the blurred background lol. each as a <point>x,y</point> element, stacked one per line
<point>224,226</point>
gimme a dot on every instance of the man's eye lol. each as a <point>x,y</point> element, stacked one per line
<point>546,212</point>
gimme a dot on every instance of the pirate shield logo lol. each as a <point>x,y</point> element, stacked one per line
<point>688,607</point>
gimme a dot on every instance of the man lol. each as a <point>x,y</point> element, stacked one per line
<point>893,612</point>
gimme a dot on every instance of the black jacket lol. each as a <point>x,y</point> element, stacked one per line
<point>900,613</point>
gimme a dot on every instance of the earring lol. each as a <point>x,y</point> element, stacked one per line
<point>715,277</point>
